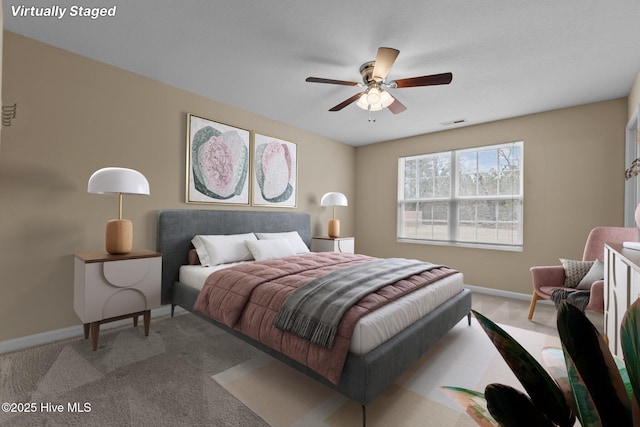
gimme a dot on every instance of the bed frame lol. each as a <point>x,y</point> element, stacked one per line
<point>365,376</point>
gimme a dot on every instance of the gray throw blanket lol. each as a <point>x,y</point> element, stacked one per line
<point>314,310</point>
<point>579,298</point>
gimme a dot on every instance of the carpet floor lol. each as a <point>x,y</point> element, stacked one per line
<point>131,380</point>
<point>189,373</point>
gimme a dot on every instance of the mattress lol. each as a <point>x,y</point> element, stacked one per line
<point>376,327</point>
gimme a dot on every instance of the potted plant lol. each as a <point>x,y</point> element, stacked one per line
<point>584,380</point>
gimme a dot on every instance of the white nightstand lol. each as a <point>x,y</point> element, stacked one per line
<point>114,287</point>
<point>333,244</point>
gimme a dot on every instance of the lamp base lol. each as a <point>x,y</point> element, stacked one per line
<point>119,236</point>
<point>334,228</point>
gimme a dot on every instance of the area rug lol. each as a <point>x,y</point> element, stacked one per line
<point>465,357</point>
<point>131,380</point>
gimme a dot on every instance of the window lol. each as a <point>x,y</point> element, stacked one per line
<point>470,197</point>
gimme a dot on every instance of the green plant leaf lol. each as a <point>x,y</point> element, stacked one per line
<point>588,353</point>
<point>512,408</point>
<point>630,341</point>
<point>542,389</point>
<point>473,403</point>
<point>582,401</point>
<point>553,360</point>
<point>622,368</point>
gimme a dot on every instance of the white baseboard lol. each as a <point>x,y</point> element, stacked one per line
<point>70,332</point>
<point>504,294</point>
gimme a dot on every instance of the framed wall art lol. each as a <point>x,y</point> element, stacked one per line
<point>275,174</point>
<point>217,162</point>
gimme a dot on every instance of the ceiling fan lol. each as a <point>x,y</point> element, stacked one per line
<point>374,74</point>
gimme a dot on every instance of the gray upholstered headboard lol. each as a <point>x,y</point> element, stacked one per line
<point>176,228</point>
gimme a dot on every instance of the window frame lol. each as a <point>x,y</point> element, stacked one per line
<point>454,199</point>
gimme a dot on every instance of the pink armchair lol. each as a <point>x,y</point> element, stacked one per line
<point>547,278</point>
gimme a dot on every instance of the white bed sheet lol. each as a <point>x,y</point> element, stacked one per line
<point>377,326</point>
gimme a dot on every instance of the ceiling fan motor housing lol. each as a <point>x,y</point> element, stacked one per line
<point>366,71</point>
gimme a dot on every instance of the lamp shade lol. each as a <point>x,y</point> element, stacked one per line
<point>334,199</point>
<point>118,180</point>
<point>119,232</point>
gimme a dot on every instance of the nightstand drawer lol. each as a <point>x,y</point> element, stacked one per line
<point>116,287</point>
<point>125,273</point>
<point>331,244</point>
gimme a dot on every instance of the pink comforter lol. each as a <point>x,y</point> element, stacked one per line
<point>247,298</point>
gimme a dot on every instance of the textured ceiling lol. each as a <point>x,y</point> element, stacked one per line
<point>508,58</point>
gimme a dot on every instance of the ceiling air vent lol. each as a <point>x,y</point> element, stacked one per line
<point>454,122</point>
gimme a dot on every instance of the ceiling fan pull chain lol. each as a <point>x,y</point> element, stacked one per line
<point>371,119</point>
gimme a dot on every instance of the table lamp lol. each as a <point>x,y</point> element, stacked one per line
<point>334,199</point>
<point>119,232</point>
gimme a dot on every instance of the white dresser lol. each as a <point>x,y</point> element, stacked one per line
<point>621,288</point>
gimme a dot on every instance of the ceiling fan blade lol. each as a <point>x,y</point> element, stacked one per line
<point>396,107</point>
<point>330,81</point>
<point>432,80</point>
<point>384,60</point>
<point>343,104</point>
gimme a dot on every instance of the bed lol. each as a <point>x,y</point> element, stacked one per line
<point>364,375</point>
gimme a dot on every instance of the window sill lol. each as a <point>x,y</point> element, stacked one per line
<point>490,246</point>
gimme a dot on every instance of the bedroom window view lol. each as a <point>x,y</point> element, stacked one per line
<point>463,197</point>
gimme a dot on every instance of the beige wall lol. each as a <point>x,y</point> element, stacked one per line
<point>574,164</point>
<point>76,115</point>
<point>634,96</point>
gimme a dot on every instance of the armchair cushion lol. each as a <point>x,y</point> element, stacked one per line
<point>546,278</point>
<point>596,301</point>
<point>574,271</point>
<point>596,272</point>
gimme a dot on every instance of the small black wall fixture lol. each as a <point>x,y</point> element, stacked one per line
<point>8,113</point>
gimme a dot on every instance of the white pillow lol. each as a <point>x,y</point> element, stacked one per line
<point>270,249</point>
<point>222,249</point>
<point>596,272</point>
<point>296,242</point>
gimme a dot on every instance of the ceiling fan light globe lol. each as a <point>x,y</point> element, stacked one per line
<point>375,100</point>
<point>373,96</point>
<point>386,99</point>
<point>364,104</point>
